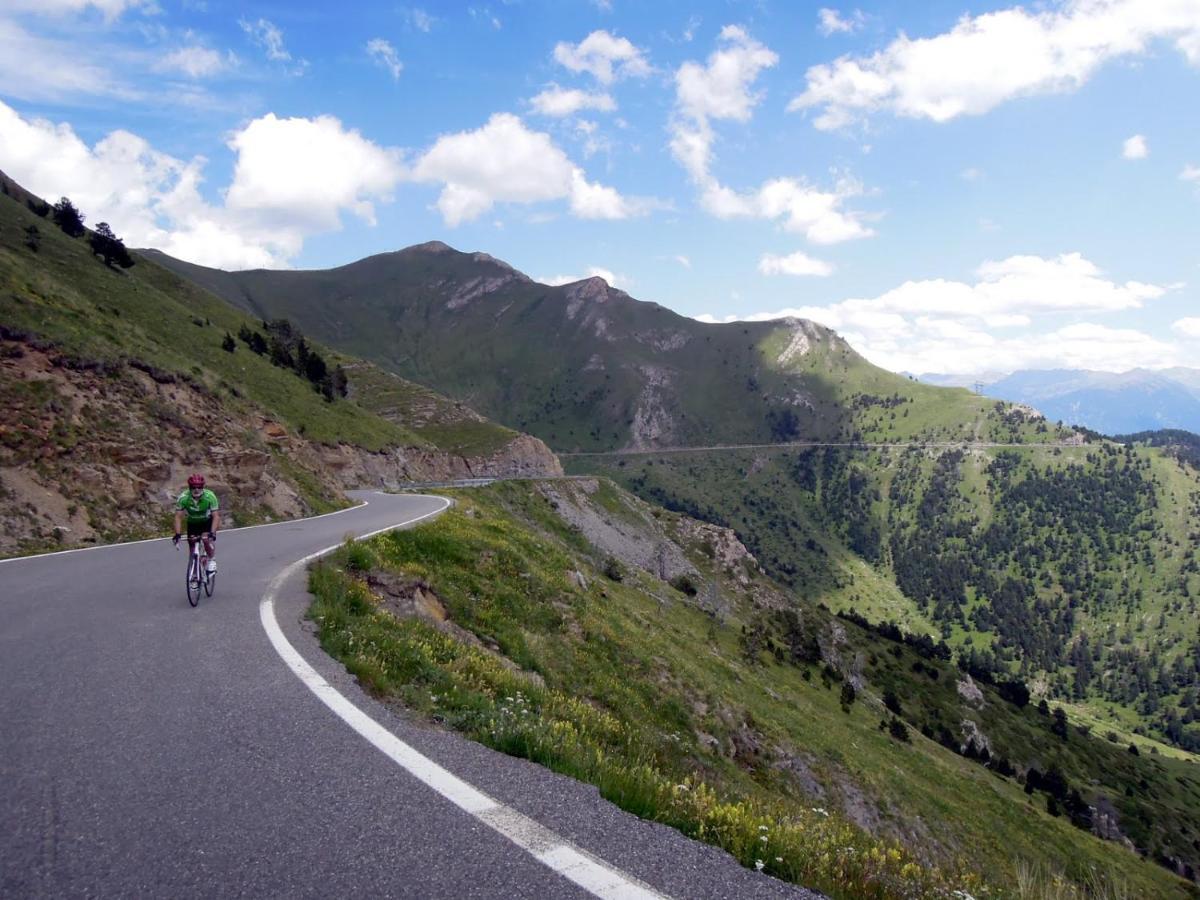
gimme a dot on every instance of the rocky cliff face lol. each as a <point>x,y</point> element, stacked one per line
<point>93,454</point>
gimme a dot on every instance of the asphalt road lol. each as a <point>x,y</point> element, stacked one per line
<point>151,749</point>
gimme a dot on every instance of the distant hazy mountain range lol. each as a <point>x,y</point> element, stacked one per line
<point>1111,403</point>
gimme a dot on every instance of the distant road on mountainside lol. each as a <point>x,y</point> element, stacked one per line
<point>152,749</point>
<point>806,445</point>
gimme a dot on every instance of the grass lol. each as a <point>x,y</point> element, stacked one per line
<point>468,438</point>
<point>98,315</point>
<point>474,692</point>
<point>632,687</point>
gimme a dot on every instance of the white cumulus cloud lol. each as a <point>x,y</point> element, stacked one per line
<point>505,162</point>
<point>558,102</point>
<point>989,59</point>
<point>990,325</point>
<point>604,56</point>
<point>1190,173</point>
<point>797,205</point>
<point>308,170</point>
<point>1189,328</point>
<point>722,89</point>
<point>1135,147</point>
<point>152,199</point>
<point>613,280</point>
<point>797,263</point>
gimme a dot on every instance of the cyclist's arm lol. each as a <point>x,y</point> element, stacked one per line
<point>178,521</point>
<point>216,520</point>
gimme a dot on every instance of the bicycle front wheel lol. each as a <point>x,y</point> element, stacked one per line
<point>194,580</point>
<point>210,583</point>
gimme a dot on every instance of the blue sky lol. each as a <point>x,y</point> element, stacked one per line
<point>955,187</point>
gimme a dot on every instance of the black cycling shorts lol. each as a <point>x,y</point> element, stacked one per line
<point>195,529</point>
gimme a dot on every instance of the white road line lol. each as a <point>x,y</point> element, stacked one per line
<point>589,872</point>
<point>336,512</point>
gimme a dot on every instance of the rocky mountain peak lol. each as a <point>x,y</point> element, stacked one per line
<point>431,247</point>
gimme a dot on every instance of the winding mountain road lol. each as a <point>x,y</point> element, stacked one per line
<point>152,749</point>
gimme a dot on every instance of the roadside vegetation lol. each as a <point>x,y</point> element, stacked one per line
<point>806,745</point>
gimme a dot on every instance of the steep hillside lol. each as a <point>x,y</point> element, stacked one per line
<point>1074,568</point>
<point>587,367</point>
<point>646,652</point>
<point>114,383</point>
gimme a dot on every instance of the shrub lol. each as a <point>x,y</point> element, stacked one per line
<point>898,730</point>
<point>848,695</point>
<point>891,701</point>
<point>1059,725</point>
<point>359,556</point>
<point>612,569</point>
<point>685,585</point>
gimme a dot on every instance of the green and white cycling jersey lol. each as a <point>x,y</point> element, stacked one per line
<point>198,509</point>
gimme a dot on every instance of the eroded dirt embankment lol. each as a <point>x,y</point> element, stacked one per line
<point>97,452</point>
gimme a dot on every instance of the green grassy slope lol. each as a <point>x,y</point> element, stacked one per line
<point>63,295</point>
<point>1075,568</point>
<point>738,695</point>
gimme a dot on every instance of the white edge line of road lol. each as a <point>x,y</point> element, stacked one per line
<point>336,512</point>
<point>587,871</point>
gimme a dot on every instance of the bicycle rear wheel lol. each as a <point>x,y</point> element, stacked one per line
<point>210,583</point>
<point>194,579</point>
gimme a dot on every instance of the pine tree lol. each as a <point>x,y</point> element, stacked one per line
<point>68,218</point>
<point>109,247</point>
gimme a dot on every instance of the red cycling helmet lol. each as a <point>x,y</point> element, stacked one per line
<point>196,481</point>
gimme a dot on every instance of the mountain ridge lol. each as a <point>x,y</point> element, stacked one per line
<point>585,366</point>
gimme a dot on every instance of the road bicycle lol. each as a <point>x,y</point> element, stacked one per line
<point>198,576</point>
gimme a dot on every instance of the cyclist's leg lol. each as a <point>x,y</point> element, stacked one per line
<point>210,547</point>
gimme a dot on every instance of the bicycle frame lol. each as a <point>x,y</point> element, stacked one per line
<point>198,577</point>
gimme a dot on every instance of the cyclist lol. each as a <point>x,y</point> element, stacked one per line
<point>203,516</point>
